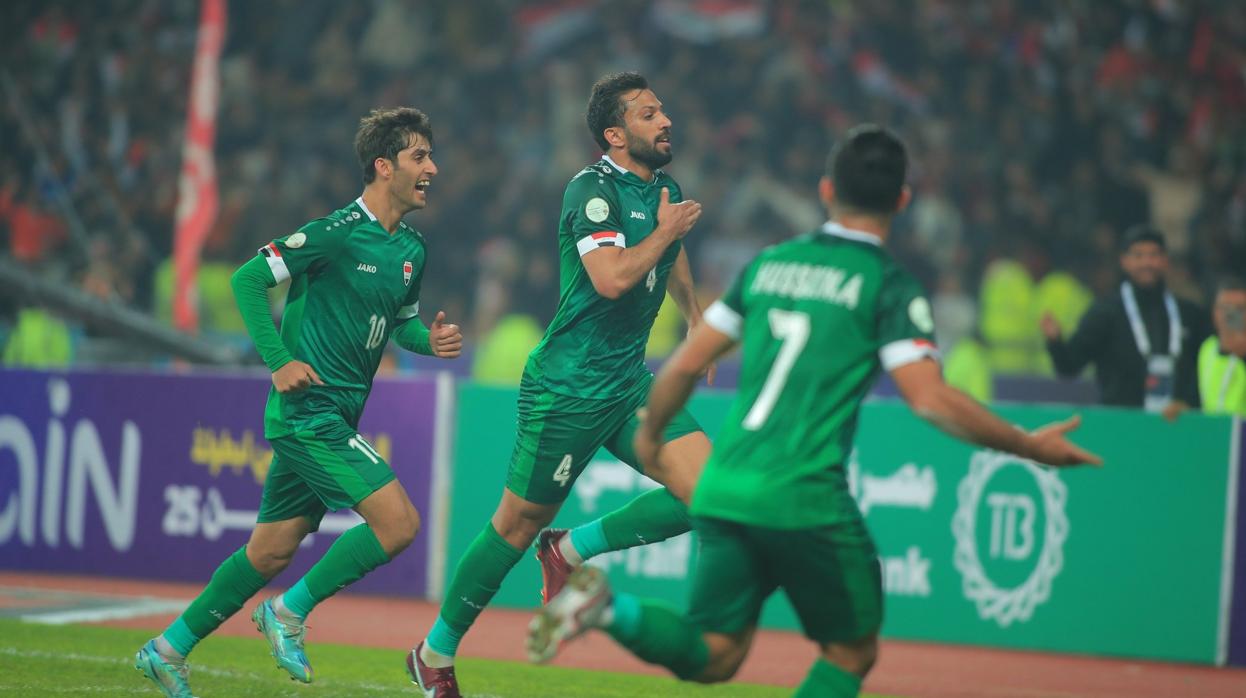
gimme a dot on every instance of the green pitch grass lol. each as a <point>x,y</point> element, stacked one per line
<point>41,660</point>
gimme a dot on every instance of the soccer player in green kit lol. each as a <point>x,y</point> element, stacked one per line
<point>817,316</point>
<point>620,252</point>
<point>355,283</point>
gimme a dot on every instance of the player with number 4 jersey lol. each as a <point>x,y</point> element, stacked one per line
<point>354,280</point>
<point>817,318</point>
<point>620,251</point>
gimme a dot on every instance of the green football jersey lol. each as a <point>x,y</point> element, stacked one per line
<point>817,317</point>
<point>595,346</point>
<point>351,283</point>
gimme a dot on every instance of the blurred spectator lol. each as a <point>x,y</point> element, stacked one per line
<point>1222,358</point>
<point>1142,340</point>
<point>1007,319</point>
<point>1039,132</point>
<point>39,340</point>
<point>34,233</point>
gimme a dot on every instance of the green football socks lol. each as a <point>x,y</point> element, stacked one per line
<point>354,554</point>
<point>235,581</point>
<point>476,579</point>
<point>658,634</point>
<point>825,680</point>
<point>649,518</point>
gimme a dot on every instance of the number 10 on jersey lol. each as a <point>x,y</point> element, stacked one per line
<point>376,332</point>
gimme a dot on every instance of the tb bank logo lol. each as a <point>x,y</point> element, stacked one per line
<point>1010,527</point>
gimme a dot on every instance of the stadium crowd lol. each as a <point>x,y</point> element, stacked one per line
<point>1039,132</point>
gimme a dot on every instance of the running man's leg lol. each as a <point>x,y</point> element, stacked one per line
<point>345,471</point>
<point>557,435</point>
<point>839,671</point>
<point>480,571</point>
<point>832,576</point>
<point>708,645</point>
<point>651,517</point>
<point>390,524</point>
<point>288,512</point>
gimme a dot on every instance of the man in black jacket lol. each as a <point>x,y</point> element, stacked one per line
<point>1142,340</point>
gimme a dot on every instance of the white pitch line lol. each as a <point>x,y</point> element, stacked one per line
<point>120,611</point>
<point>29,690</point>
<point>370,688</point>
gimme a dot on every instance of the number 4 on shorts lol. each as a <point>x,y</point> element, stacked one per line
<point>563,474</point>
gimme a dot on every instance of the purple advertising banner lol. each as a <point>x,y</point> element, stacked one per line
<point>159,476</point>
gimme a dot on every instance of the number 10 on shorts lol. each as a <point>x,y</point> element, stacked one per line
<point>563,474</point>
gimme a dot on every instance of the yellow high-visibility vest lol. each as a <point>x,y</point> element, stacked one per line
<point>1221,380</point>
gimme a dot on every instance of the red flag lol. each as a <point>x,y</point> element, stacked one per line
<point>197,199</point>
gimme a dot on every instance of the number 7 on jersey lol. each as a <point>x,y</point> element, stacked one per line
<point>792,328</point>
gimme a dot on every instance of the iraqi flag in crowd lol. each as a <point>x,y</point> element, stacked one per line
<point>707,21</point>
<point>546,26</point>
<point>197,197</point>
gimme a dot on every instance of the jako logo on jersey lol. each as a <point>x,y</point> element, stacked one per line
<point>407,268</point>
<point>370,268</point>
<point>638,214</point>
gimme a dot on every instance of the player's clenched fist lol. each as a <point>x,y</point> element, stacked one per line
<point>445,339</point>
<point>677,218</point>
<point>295,376</point>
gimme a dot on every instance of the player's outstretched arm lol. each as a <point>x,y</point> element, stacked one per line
<point>673,385</point>
<point>923,388</point>
<point>615,270</point>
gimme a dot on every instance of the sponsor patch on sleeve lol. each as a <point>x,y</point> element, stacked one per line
<point>597,210</point>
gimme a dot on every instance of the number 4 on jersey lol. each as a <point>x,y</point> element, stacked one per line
<point>792,328</point>
<point>563,474</point>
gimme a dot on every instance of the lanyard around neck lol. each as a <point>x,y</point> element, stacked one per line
<point>1139,327</point>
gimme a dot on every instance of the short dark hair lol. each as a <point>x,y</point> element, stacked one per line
<point>1230,282</point>
<point>1142,233</point>
<point>606,105</point>
<point>385,132</point>
<point>868,168</point>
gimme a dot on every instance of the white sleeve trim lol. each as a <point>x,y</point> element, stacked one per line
<point>275,263</point>
<point>907,351</point>
<point>722,318</point>
<point>407,312</point>
<point>604,238</point>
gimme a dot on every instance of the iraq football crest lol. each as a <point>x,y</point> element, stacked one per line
<point>407,268</point>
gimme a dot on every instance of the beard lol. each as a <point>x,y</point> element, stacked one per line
<point>647,154</point>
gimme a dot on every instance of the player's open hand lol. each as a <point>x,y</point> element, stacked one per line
<point>295,376</point>
<point>677,218</point>
<point>1051,445</point>
<point>445,339</point>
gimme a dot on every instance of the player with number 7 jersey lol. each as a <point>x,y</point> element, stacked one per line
<point>826,311</point>
<point>817,318</point>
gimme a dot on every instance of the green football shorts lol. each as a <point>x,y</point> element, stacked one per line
<point>559,434</point>
<point>831,575</point>
<point>328,466</point>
